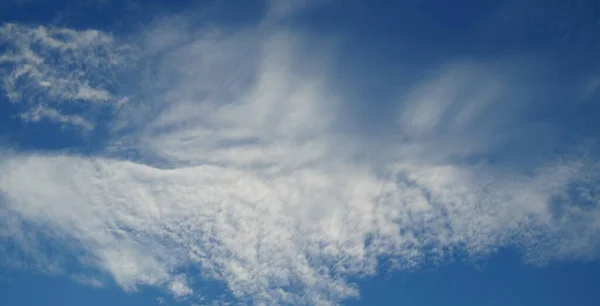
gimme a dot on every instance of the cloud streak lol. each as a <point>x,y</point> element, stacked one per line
<point>53,115</point>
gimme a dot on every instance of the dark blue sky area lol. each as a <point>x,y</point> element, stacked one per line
<point>501,280</point>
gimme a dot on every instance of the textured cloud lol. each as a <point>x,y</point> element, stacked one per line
<point>247,179</point>
<point>287,236</point>
<point>47,69</point>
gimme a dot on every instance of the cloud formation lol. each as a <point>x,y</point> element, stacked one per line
<point>249,182</point>
<point>45,69</point>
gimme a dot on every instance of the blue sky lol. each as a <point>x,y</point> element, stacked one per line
<point>312,152</point>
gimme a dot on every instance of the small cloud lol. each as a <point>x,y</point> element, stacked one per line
<point>51,114</point>
<point>179,288</point>
<point>88,281</point>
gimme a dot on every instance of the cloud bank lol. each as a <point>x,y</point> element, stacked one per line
<point>248,180</point>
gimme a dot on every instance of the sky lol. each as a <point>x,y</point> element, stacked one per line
<point>302,152</point>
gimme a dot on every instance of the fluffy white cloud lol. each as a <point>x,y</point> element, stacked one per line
<point>258,189</point>
<point>285,236</point>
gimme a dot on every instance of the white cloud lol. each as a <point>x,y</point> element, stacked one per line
<point>51,114</point>
<point>259,122</point>
<point>257,189</point>
<point>59,67</point>
<point>58,63</point>
<point>264,234</point>
<point>88,281</point>
<point>466,109</point>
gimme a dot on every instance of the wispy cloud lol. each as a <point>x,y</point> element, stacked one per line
<point>279,9</point>
<point>591,88</point>
<point>88,281</point>
<point>58,67</point>
<point>58,63</point>
<point>259,189</point>
<point>51,114</point>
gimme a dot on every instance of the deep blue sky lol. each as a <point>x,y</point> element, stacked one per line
<point>503,280</point>
<point>385,47</point>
